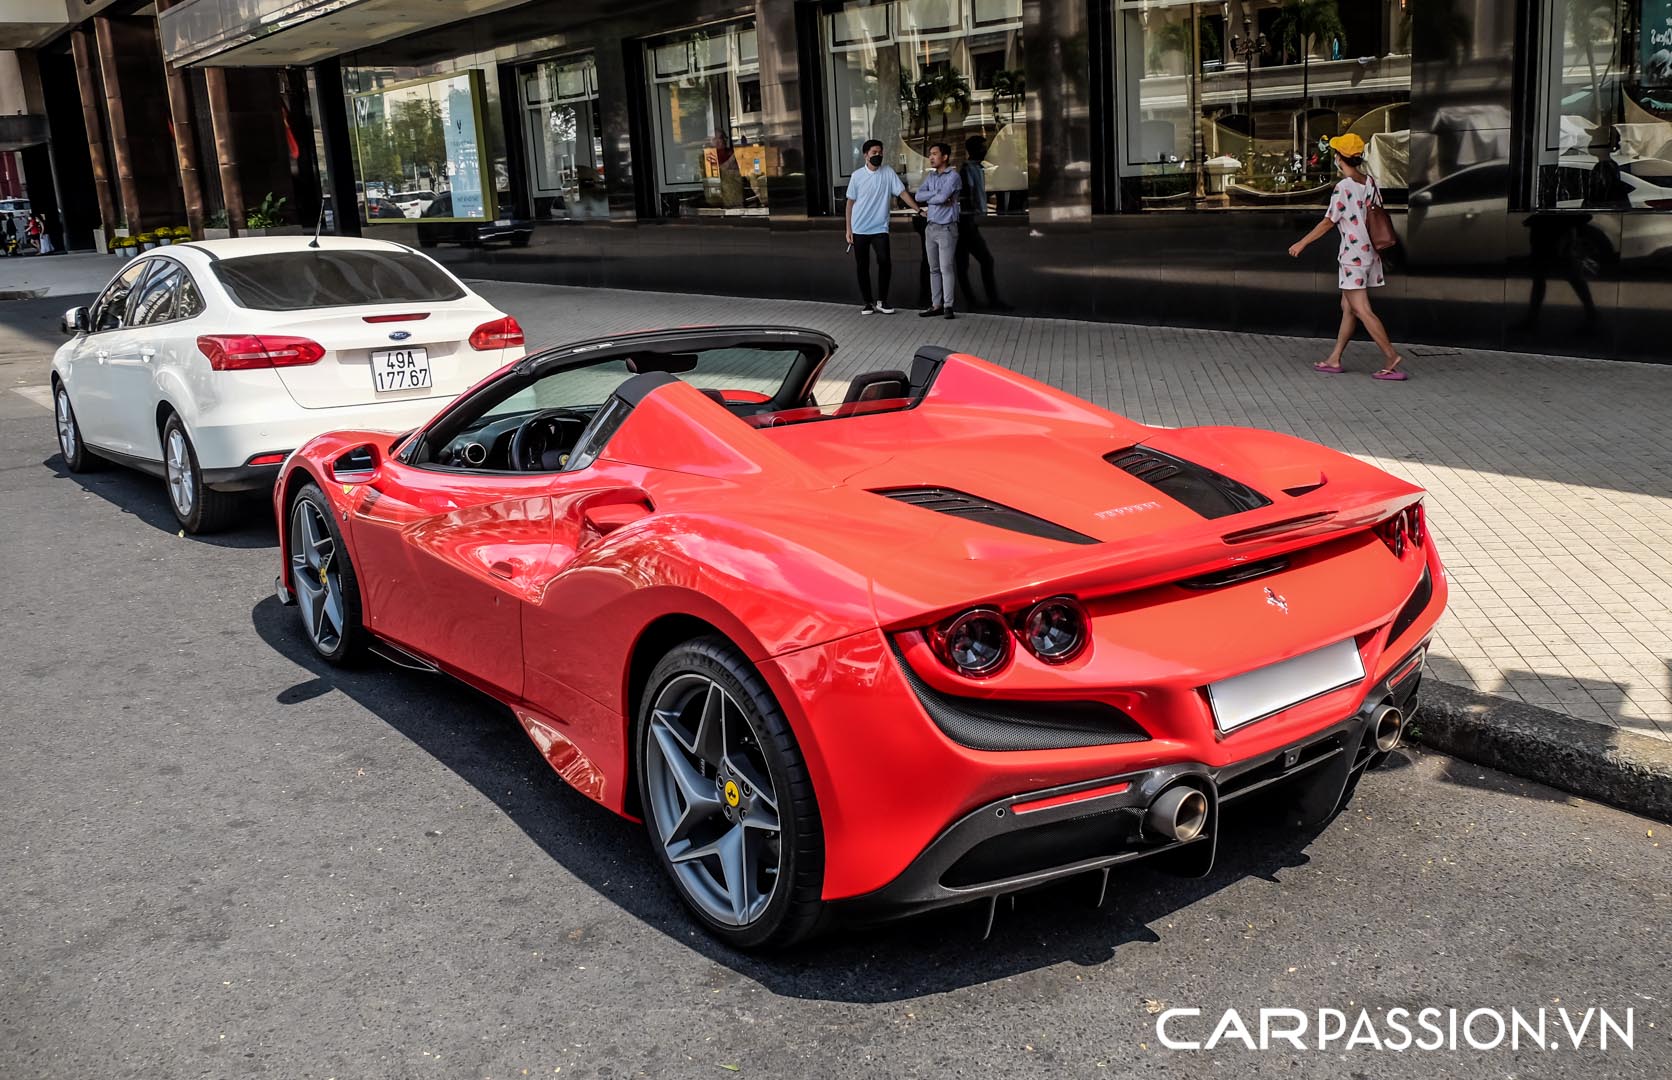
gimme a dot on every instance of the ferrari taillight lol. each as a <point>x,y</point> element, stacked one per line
<point>243,352</point>
<point>500,334</point>
<point>1406,529</point>
<point>978,642</point>
<point>1054,630</point>
<point>975,644</point>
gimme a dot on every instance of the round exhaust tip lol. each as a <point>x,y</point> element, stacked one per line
<point>1179,813</point>
<point>1389,727</point>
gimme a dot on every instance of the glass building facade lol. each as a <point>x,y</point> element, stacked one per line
<point>1140,160</point>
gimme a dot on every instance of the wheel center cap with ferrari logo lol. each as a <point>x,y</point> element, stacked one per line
<point>732,794</point>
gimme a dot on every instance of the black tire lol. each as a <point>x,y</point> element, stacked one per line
<point>795,907</point>
<point>348,647</point>
<point>198,507</point>
<point>77,457</point>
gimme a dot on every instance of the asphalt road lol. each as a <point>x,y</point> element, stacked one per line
<point>226,860</point>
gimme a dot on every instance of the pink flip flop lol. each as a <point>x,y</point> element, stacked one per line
<point>1328,369</point>
<point>1391,376</point>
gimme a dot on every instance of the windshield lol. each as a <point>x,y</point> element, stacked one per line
<point>298,280</point>
<point>529,423</point>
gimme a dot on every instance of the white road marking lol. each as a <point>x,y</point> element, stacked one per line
<point>40,395</point>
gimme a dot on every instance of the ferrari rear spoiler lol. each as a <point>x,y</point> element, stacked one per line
<point>1144,562</point>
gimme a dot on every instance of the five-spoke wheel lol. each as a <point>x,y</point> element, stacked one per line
<point>327,592</point>
<point>715,809</point>
<point>727,799</point>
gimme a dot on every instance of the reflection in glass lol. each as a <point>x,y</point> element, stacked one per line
<point>916,72</point>
<point>565,147</point>
<point>1230,104</point>
<point>705,89</point>
<point>418,145</point>
<point>1606,109</point>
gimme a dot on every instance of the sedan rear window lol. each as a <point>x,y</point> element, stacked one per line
<point>296,280</point>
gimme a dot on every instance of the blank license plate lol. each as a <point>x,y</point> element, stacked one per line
<point>400,369</point>
<point>1245,698</point>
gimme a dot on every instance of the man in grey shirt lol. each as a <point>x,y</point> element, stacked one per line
<point>938,193</point>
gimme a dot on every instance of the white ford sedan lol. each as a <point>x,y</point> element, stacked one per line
<point>207,363</point>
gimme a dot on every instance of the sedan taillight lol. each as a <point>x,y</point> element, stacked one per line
<point>1407,528</point>
<point>499,334</point>
<point>241,352</point>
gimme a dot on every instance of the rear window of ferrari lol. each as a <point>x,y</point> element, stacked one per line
<point>297,280</point>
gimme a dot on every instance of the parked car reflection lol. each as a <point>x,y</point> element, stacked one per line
<point>1465,218</point>
<point>470,233</point>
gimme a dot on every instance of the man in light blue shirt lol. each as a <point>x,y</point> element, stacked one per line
<point>871,194</point>
<point>939,195</point>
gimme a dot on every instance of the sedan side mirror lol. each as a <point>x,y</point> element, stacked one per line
<point>74,321</point>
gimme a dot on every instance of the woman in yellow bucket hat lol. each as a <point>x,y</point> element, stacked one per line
<point>1360,264</point>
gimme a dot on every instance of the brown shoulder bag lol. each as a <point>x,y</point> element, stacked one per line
<point>1377,220</point>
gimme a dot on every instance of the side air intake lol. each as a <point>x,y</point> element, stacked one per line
<point>1197,487</point>
<point>961,504</point>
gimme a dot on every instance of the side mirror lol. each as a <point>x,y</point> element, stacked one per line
<point>74,321</point>
<point>356,465</point>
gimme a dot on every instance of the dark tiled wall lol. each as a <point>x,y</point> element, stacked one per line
<point>1224,270</point>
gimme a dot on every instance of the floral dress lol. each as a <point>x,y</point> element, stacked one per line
<point>1360,262</point>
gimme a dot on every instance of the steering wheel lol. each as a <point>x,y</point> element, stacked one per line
<point>539,443</point>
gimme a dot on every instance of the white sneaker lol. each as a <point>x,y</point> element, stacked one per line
<point>866,310</point>
<point>884,309</point>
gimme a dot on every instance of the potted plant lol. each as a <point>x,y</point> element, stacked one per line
<point>267,218</point>
<point>127,246</point>
<point>165,236</point>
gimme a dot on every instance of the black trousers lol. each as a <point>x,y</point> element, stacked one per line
<point>970,243</point>
<point>863,245</point>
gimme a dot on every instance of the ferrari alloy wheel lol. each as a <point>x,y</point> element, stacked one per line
<point>327,592</point>
<point>77,458</point>
<point>199,508</point>
<point>726,797</point>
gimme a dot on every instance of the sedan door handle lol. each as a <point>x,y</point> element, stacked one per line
<point>502,569</point>
<point>146,352</point>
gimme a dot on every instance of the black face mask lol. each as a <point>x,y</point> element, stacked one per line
<point>876,159</point>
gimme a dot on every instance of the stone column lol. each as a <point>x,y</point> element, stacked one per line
<point>226,153</point>
<point>116,113</point>
<point>185,139</point>
<point>87,80</point>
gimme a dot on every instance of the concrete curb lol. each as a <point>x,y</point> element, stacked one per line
<point>1633,772</point>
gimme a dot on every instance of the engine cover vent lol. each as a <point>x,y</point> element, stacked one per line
<point>964,505</point>
<point>1199,488</point>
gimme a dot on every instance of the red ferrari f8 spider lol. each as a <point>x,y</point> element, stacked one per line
<point>877,643</point>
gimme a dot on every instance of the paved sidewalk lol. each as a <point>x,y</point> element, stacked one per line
<point>55,275</point>
<point>1550,479</point>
